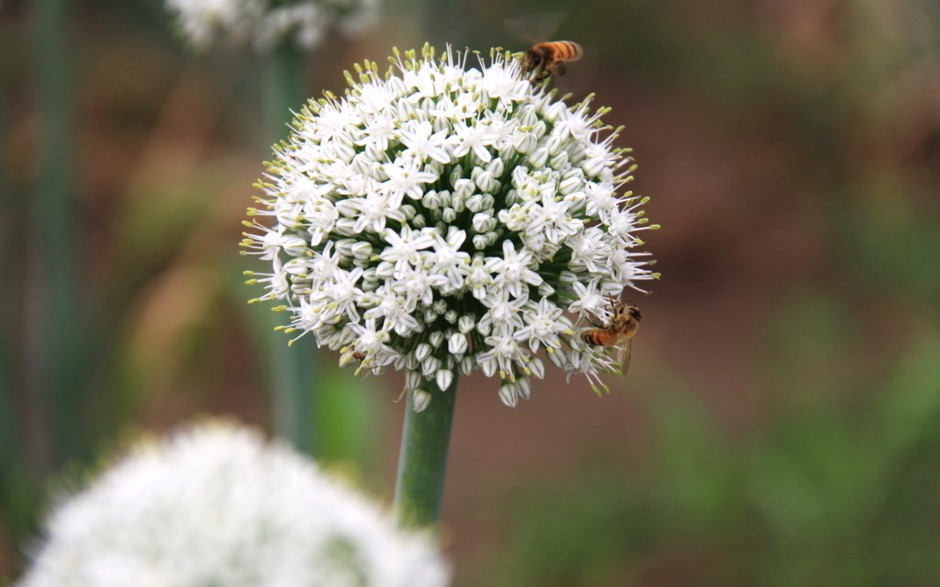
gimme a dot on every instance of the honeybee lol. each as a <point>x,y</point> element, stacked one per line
<point>619,329</point>
<point>544,59</point>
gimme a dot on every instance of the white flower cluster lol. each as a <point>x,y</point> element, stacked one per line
<point>265,23</point>
<point>217,506</point>
<point>447,217</point>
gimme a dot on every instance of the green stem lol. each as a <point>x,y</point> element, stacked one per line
<point>422,463</point>
<point>10,460</point>
<point>54,313</point>
<point>293,368</point>
<point>293,372</point>
<point>284,88</point>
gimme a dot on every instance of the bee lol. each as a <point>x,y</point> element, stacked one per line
<point>619,329</point>
<point>544,59</point>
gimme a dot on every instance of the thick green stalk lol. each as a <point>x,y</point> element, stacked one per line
<point>293,368</point>
<point>285,88</point>
<point>10,459</point>
<point>9,424</point>
<point>54,308</point>
<point>422,462</point>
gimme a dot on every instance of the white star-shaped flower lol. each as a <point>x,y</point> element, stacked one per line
<point>405,178</point>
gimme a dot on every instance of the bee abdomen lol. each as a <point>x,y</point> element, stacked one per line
<point>594,337</point>
<point>569,50</point>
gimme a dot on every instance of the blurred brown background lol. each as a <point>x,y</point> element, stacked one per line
<point>781,421</point>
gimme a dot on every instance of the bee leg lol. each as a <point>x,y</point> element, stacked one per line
<point>541,75</point>
<point>595,321</point>
<point>560,69</point>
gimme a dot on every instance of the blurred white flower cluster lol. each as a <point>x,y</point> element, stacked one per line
<point>218,506</point>
<point>266,23</point>
<point>450,216</point>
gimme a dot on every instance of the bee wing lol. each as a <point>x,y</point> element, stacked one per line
<point>535,28</point>
<point>626,351</point>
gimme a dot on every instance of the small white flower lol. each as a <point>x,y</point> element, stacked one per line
<point>444,378</point>
<point>395,316</point>
<point>417,287</point>
<point>589,301</point>
<point>473,220</point>
<point>266,23</point>
<point>504,315</point>
<point>405,179</point>
<point>420,400</point>
<point>457,343</point>
<point>451,262</point>
<point>543,325</point>
<point>217,505</point>
<point>512,271</point>
<point>474,137</point>
<point>402,249</point>
<point>587,250</point>
<point>421,144</point>
<point>508,394</point>
<point>503,355</point>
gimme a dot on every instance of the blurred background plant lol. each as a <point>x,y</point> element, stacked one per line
<point>781,421</point>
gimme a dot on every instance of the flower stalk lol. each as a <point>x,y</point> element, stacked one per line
<point>292,368</point>
<point>422,462</point>
<point>54,234</point>
<point>284,87</point>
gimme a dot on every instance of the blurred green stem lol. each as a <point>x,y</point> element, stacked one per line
<point>293,368</point>
<point>422,462</point>
<point>9,425</point>
<point>9,457</point>
<point>54,305</point>
<point>284,89</point>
